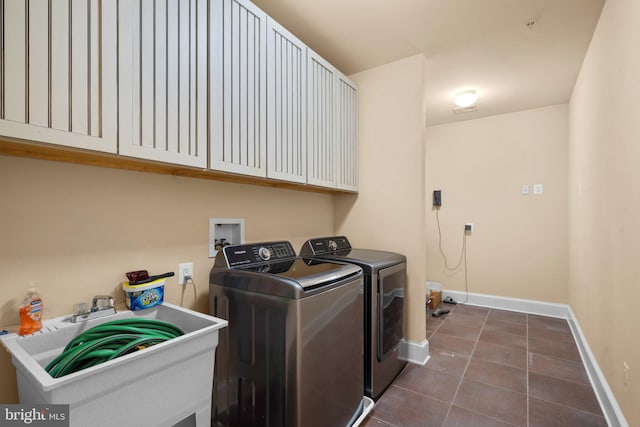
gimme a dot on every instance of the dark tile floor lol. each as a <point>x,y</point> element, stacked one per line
<point>492,368</point>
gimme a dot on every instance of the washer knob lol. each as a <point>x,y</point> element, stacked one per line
<point>264,268</point>
<point>333,245</point>
<point>264,253</point>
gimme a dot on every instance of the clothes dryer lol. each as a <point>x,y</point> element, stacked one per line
<point>385,276</point>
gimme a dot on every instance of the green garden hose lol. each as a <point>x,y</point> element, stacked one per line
<point>108,341</point>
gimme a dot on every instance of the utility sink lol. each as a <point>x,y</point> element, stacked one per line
<point>165,384</point>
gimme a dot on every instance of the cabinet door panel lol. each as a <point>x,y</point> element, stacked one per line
<point>347,134</point>
<point>80,67</point>
<point>38,69</point>
<point>58,77</point>
<point>321,122</point>
<point>238,92</point>
<point>162,91</point>
<point>94,69</point>
<point>14,78</point>
<point>60,66</point>
<point>286,131</point>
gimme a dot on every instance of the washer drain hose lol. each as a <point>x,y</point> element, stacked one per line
<point>109,340</point>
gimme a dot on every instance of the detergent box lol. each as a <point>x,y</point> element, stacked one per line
<point>147,295</point>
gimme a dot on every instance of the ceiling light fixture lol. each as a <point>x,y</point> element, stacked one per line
<point>465,99</point>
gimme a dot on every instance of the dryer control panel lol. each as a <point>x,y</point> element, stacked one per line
<point>327,245</point>
<point>257,253</point>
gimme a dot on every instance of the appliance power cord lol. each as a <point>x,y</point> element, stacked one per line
<point>461,259</point>
<point>189,279</point>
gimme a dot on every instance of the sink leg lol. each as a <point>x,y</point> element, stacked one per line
<point>203,417</point>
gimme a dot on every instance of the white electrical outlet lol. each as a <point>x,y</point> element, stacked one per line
<point>185,270</point>
<point>537,188</point>
<point>468,227</point>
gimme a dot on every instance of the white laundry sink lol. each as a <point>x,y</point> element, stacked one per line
<point>160,385</point>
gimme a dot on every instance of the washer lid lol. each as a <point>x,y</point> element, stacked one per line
<point>272,268</point>
<point>307,272</point>
<point>370,260</point>
<point>292,279</point>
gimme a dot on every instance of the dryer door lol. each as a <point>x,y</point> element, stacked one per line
<point>391,282</point>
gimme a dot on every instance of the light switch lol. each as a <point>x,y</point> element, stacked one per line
<point>525,189</point>
<point>537,188</point>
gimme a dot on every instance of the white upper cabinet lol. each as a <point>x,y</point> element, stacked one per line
<point>321,129</point>
<point>286,119</point>
<point>238,87</point>
<point>347,134</point>
<point>203,83</point>
<point>162,86</point>
<point>58,72</point>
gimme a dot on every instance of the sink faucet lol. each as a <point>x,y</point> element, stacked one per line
<point>106,303</point>
<point>101,305</point>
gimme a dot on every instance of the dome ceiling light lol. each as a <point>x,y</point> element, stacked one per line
<point>465,99</point>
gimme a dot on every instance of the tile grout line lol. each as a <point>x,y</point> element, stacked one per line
<point>561,379</point>
<point>421,394</point>
<point>573,408</point>
<point>510,390</point>
<point>464,372</point>
<point>384,421</point>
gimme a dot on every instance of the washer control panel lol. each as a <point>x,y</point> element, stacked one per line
<point>327,245</point>
<point>257,253</point>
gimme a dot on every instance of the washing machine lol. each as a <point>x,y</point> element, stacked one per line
<point>292,353</point>
<point>385,276</point>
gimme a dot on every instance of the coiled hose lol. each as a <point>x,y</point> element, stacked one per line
<point>108,341</point>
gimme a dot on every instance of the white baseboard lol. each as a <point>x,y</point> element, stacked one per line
<point>541,308</point>
<point>608,402</point>
<point>414,352</point>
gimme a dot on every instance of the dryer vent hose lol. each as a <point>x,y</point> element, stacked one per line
<point>108,341</point>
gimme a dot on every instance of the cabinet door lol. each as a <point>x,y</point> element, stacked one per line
<point>163,80</point>
<point>321,132</point>
<point>238,87</point>
<point>58,72</point>
<point>347,134</point>
<point>286,105</point>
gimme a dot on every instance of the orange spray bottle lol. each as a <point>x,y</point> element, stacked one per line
<point>31,313</point>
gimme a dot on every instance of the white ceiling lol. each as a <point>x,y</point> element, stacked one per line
<point>480,44</point>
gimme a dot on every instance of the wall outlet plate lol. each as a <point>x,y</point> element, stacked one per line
<point>437,197</point>
<point>468,227</point>
<point>185,269</point>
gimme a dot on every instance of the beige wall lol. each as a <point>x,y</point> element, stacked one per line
<point>519,244</point>
<point>75,230</point>
<point>388,212</point>
<point>604,199</point>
